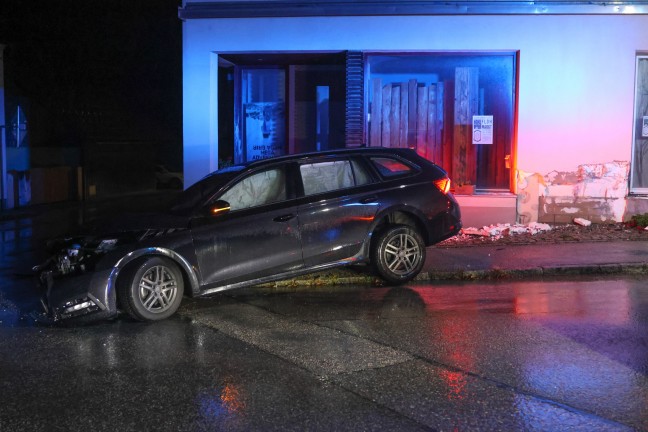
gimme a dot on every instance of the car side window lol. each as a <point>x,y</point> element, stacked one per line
<point>265,187</point>
<point>388,167</point>
<point>328,176</point>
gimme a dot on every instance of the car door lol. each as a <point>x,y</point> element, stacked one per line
<point>257,236</point>
<point>337,209</point>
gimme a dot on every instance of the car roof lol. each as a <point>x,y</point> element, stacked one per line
<point>403,152</point>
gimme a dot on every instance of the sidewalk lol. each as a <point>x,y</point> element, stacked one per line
<point>461,262</point>
<point>551,259</point>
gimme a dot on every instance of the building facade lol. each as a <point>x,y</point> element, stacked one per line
<point>538,112</point>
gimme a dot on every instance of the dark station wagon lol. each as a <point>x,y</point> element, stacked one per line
<point>258,222</point>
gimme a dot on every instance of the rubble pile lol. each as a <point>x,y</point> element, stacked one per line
<point>499,230</point>
<point>538,233</point>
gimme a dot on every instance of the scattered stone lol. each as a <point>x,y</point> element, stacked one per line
<point>474,231</point>
<point>582,222</point>
<point>537,227</point>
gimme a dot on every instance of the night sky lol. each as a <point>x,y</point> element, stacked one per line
<point>88,69</point>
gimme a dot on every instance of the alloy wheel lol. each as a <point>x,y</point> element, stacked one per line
<point>158,289</point>
<point>402,254</point>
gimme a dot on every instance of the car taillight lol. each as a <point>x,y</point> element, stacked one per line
<point>443,184</point>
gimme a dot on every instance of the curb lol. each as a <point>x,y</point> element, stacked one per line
<point>327,278</point>
<point>349,277</point>
<point>535,272</point>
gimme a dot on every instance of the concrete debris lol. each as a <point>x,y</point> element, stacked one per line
<point>500,230</point>
<point>582,222</point>
<point>475,231</point>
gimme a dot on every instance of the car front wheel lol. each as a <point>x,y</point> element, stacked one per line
<point>151,290</point>
<point>398,254</point>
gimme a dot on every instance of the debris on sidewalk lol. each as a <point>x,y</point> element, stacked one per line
<point>500,230</point>
<point>582,222</point>
<point>515,234</point>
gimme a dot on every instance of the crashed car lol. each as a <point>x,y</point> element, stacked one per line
<point>254,223</point>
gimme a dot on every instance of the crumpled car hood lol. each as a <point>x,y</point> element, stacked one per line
<point>136,222</point>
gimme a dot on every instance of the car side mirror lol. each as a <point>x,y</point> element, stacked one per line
<point>218,208</point>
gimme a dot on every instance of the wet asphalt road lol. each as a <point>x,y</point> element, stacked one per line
<point>537,355</point>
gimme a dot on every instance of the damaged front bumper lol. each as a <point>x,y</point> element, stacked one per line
<point>77,297</point>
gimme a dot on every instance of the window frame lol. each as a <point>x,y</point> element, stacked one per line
<point>415,169</point>
<point>508,163</point>
<point>289,189</point>
<point>636,129</point>
<point>400,174</point>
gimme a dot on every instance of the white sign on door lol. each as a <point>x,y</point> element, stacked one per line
<point>482,129</point>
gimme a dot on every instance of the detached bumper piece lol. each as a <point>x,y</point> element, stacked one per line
<point>70,299</point>
<point>78,307</point>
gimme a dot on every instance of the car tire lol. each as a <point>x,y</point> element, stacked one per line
<point>151,290</point>
<point>398,254</point>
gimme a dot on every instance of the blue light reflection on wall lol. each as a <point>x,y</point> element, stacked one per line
<point>563,61</point>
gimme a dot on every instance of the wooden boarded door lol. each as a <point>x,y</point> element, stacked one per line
<point>407,115</point>
<point>411,114</point>
<point>464,157</point>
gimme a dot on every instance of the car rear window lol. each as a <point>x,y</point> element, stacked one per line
<point>388,167</point>
<point>328,176</point>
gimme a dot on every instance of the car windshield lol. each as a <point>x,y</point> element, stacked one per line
<point>197,194</point>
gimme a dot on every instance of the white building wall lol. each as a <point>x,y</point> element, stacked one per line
<point>576,76</point>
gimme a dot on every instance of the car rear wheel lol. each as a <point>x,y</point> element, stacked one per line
<point>398,254</point>
<point>151,290</point>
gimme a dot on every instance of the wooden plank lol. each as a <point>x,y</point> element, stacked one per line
<point>411,115</point>
<point>404,115</point>
<point>386,110</point>
<point>432,124</point>
<point>438,127</point>
<point>421,122</point>
<point>448,129</point>
<point>394,117</point>
<point>376,113</point>
<point>466,97</point>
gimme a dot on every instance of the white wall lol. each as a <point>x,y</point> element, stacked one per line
<point>576,78</point>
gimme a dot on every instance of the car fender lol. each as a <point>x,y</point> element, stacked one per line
<point>403,208</point>
<point>154,251</point>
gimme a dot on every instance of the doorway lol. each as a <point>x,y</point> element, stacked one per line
<point>280,103</point>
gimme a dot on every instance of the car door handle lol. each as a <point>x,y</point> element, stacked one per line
<point>284,218</point>
<point>369,199</point>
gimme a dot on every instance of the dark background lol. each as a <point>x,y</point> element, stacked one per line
<point>95,71</point>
